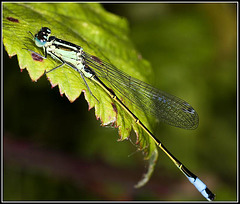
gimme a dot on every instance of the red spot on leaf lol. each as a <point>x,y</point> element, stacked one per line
<point>114,107</point>
<point>36,57</point>
<point>96,59</point>
<point>13,19</point>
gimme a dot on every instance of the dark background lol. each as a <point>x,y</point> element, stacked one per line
<point>61,152</point>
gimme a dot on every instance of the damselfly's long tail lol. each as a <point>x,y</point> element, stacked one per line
<point>201,187</point>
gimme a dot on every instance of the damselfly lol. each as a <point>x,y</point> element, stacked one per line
<point>167,108</point>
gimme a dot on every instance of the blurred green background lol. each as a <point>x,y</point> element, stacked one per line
<point>61,152</point>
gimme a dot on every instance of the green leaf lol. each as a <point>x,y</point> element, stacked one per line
<point>100,33</point>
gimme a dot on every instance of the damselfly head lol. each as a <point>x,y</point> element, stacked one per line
<point>42,36</point>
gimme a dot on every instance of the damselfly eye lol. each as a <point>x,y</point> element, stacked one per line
<point>46,30</point>
<point>41,36</point>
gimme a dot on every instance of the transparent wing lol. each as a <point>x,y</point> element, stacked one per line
<point>165,107</point>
